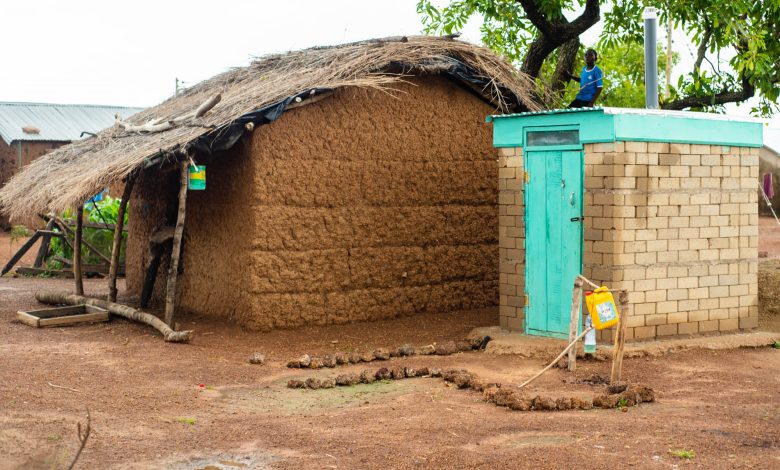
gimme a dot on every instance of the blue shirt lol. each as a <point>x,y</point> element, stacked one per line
<point>589,81</point>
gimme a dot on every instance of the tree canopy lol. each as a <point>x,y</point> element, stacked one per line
<point>539,36</point>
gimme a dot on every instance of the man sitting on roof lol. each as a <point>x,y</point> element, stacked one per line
<point>590,82</point>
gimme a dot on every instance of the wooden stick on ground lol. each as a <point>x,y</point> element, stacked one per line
<point>116,247</point>
<point>620,338</point>
<point>563,353</point>
<point>574,321</point>
<point>77,251</point>
<point>64,298</point>
<point>173,269</point>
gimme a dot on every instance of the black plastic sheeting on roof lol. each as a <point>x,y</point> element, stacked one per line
<point>225,137</point>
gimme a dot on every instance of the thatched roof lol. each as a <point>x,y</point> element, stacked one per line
<point>73,173</point>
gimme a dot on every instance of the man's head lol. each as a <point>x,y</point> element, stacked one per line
<point>591,56</point>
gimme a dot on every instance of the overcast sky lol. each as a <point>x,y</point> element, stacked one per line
<point>130,53</point>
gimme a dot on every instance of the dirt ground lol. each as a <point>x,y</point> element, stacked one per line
<point>149,409</point>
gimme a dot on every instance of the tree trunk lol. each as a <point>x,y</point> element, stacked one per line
<point>63,298</point>
<point>567,55</point>
<point>173,269</point>
<point>117,245</point>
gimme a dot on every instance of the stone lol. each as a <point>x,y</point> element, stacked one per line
<point>463,346</point>
<point>425,350</point>
<point>329,361</point>
<point>581,404</point>
<point>410,372</point>
<point>397,373</point>
<point>342,358</point>
<point>354,357</point>
<point>367,377</point>
<point>606,401</point>
<point>563,403</point>
<point>646,394</point>
<point>544,403</point>
<point>296,384</point>
<point>313,383</point>
<point>316,363</point>
<point>381,354</point>
<point>423,371</point>
<point>446,348</point>
<point>406,350</point>
<point>257,358</point>
<point>383,374</point>
<point>304,361</point>
<point>328,383</point>
<point>520,403</point>
<point>434,372</point>
<point>617,387</point>
<point>367,356</point>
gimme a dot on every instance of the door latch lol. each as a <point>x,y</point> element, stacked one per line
<point>577,219</point>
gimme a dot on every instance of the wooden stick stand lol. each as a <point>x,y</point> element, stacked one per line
<point>116,247</point>
<point>173,270</point>
<point>620,338</point>
<point>574,321</point>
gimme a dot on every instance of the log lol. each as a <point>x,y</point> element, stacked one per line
<point>77,251</point>
<point>207,105</point>
<point>20,252</point>
<point>45,242</point>
<point>150,127</point>
<point>574,321</point>
<point>620,338</point>
<point>173,269</point>
<point>116,247</point>
<point>64,298</point>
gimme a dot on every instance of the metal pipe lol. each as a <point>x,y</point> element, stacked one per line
<point>651,58</point>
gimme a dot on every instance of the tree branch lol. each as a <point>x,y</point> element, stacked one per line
<point>725,96</point>
<point>702,51</point>
<point>554,33</point>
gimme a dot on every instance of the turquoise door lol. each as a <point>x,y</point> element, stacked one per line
<point>553,231</point>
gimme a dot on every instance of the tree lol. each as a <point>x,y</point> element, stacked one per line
<point>535,33</point>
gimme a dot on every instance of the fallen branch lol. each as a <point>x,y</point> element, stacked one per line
<point>151,126</point>
<point>82,440</point>
<point>563,353</point>
<point>64,298</point>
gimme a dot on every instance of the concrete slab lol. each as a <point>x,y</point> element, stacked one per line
<point>506,342</point>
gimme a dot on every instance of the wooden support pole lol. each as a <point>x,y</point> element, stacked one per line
<point>620,338</point>
<point>173,269</point>
<point>45,242</point>
<point>77,250</point>
<point>574,321</point>
<point>116,246</point>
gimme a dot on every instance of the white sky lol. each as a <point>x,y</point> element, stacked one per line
<point>130,53</point>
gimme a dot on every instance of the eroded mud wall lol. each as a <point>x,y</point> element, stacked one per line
<point>361,206</point>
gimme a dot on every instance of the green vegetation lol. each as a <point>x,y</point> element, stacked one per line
<point>736,43</point>
<point>683,454</point>
<point>185,420</point>
<point>776,345</point>
<point>103,213</point>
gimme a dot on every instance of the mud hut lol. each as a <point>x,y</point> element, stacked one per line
<point>344,183</point>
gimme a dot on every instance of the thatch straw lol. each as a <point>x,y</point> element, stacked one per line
<point>73,173</point>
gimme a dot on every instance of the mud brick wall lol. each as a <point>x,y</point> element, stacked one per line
<point>359,207</point>
<point>9,165</point>
<point>674,224</point>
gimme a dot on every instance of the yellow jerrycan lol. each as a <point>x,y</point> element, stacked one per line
<point>601,307</point>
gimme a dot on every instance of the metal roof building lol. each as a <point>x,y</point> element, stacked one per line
<point>55,122</point>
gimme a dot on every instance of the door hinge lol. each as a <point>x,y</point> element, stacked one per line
<point>526,176</point>
<point>527,300</point>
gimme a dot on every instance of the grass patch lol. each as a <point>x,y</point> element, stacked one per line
<point>185,420</point>
<point>776,345</point>
<point>683,454</point>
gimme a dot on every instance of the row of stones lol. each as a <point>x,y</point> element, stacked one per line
<point>512,398</point>
<point>307,361</point>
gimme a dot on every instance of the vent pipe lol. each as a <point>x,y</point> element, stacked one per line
<point>651,58</point>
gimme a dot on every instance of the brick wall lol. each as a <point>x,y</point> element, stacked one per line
<point>674,224</point>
